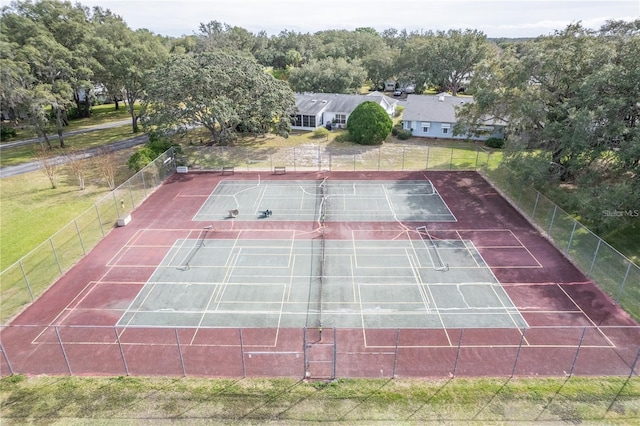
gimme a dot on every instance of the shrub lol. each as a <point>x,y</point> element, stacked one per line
<point>150,151</point>
<point>404,134</point>
<point>321,132</point>
<point>494,142</point>
<point>7,133</point>
<point>369,124</point>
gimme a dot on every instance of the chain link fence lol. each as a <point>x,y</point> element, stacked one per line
<point>388,157</point>
<point>614,273</point>
<point>22,282</point>
<point>314,354</point>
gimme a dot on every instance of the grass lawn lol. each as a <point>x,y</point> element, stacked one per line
<point>22,229</point>
<point>134,400</point>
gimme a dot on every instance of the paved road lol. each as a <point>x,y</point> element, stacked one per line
<point>54,137</point>
<point>35,165</point>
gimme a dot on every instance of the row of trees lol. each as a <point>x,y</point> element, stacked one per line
<point>572,104</point>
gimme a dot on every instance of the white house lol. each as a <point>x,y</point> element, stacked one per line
<point>317,109</point>
<point>430,116</point>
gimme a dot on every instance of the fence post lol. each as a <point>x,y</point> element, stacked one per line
<point>575,359</point>
<point>55,255</point>
<point>64,353</point>
<point>403,152</point>
<point>553,219</point>
<point>575,224</point>
<point>455,363</point>
<point>294,158</point>
<point>144,183</point>
<point>184,371</point>
<point>244,370</point>
<point>330,161</point>
<point>26,279</point>
<point>477,155</point>
<point>354,162</point>
<point>80,237</point>
<point>635,361</point>
<point>133,203</point>
<point>624,281</point>
<point>319,159</point>
<point>427,165</point>
<point>595,255</point>
<point>515,362</point>
<point>395,358</point>
<point>335,351</point>
<point>271,159</point>
<point>124,361</point>
<point>6,358</point>
<point>379,149</point>
<point>304,351</point>
<point>99,219</point>
<point>115,202</point>
<point>451,160</point>
<point>535,206</point>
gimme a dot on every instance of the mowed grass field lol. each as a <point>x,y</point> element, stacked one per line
<point>137,400</point>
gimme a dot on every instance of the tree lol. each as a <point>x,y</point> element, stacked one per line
<point>570,100</point>
<point>48,165</point>
<point>327,76</point>
<point>369,124</point>
<point>125,57</point>
<point>106,163</point>
<point>381,65</point>
<point>219,91</point>
<point>78,166</point>
<point>444,60</point>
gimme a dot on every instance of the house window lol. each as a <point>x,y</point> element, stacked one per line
<point>305,121</point>
<point>425,127</point>
<point>340,119</point>
<point>445,128</point>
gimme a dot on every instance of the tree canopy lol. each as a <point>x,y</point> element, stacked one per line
<point>369,124</point>
<point>571,103</point>
<point>223,92</point>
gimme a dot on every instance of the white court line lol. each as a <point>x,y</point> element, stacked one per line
<point>525,247</point>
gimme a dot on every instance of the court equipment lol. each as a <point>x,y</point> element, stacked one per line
<point>439,265</point>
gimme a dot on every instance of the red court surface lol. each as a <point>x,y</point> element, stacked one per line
<point>571,326</point>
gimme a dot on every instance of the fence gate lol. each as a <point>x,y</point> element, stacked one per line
<point>320,354</point>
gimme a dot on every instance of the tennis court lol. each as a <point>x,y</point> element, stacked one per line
<point>238,275</point>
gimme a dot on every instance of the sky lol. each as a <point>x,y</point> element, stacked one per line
<point>495,18</point>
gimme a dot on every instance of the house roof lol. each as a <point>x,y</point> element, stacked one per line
<point>439,108</point>
<point>313,103</point>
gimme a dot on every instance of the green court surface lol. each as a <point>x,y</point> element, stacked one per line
<point>344,201</point>
<point>333,283</point>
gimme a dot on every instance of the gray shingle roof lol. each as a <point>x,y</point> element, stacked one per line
<point>439,108</point>
<point>312,103</point>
